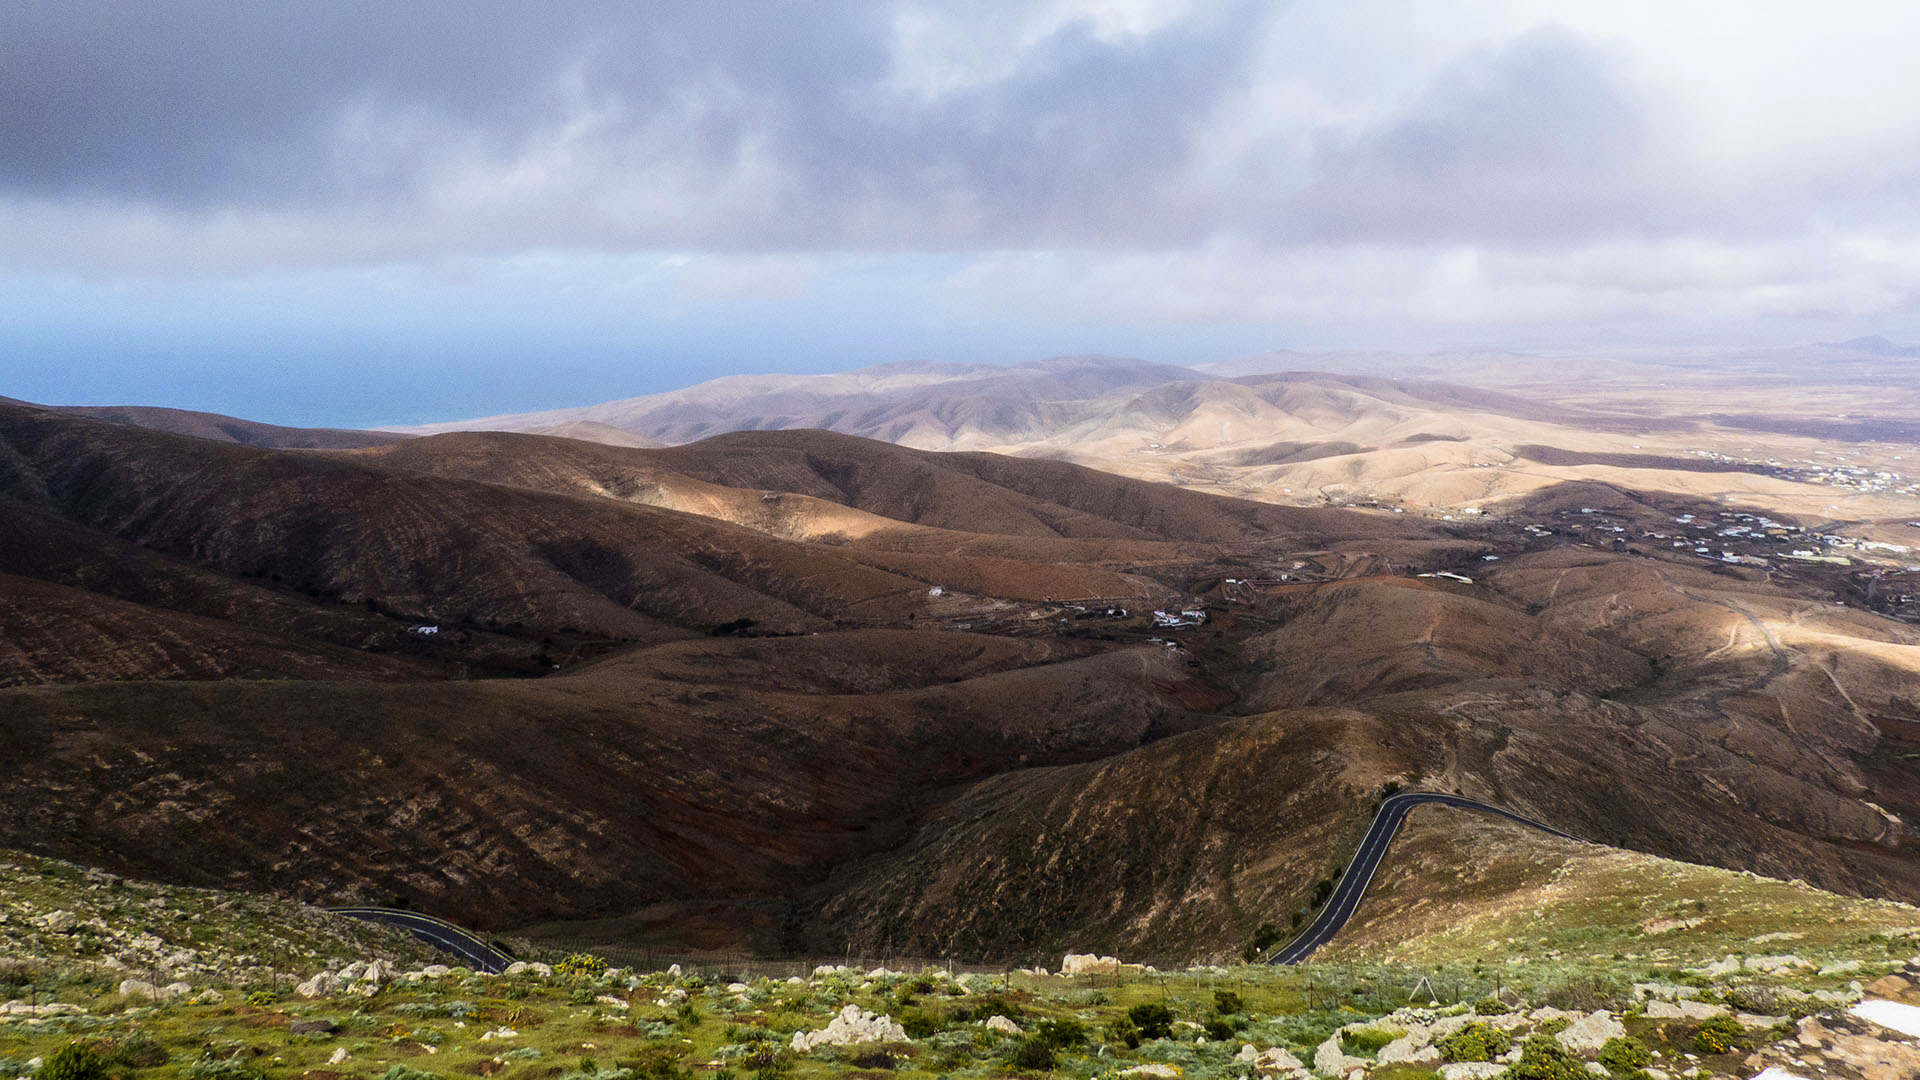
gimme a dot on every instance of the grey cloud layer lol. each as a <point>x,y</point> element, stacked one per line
<point>779,126</point>
<point>190,106</point>
<point>1107,158</point>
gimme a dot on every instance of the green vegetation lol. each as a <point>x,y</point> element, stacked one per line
<point>1475,1042</point>
<point>584,965</point>
<point>75,1061</point>
<point>1541,1058</point>
<point>1625,1056</point>
<point>1720,1035</point>
<point>1365,1042</point>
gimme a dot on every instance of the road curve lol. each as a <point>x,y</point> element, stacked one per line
<point>1359,873</point>
<point>439,933</point>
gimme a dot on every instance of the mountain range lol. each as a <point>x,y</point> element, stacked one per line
<point>806,690</point>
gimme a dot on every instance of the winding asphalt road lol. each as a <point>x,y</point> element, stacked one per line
<point>439,933</point>
<point>1359,873</point>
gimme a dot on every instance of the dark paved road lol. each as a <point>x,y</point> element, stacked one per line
<point>1359,873</point>
<point>473,952</point>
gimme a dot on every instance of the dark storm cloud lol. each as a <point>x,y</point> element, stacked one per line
<point>198,106</point>
<point>196,102</point>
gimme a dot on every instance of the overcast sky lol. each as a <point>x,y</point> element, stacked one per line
<point>378,212</point>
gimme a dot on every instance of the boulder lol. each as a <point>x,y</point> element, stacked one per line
<point>1889,986</point>
<point>436,971</point>
<point>315,1027</point>
<point>1683,1010</point>
<point>1002,1025</point>
<point>1089,964</point>
<point>1273,1061</point>
<point>1154,1071</point>
<point>139,988</point>
<point>1472,1070</point>
<point>321,985</point>
<point>1405,1051</point>
<point>339,1055</point>
<point>1329,1059</point>
<point>208,996</point>
<point>1587,1034</point>
<point>58,922</point>
<point>176,989</point>
<point>853,1025</point>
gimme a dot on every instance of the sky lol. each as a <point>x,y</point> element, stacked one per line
<point>361,213</point>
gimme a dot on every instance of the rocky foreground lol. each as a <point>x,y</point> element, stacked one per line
<point>578,1019</point>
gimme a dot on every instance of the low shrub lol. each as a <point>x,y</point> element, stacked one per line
<point>1228,1003</point>
<point>575,965</point>
<point>1061,1033</point>
<point>1625,1055</point>
<point>1543,1058</point>
<point>919,1023</point>
<point>75,1061</point>
<point>1476,1042</point>
<point>407,1072</point>
<point>1365,1042</point>
<point>1491,1007</point>
<point>1720,1035</point>
<point>1152,1020</point>
<point>1033,1054</point>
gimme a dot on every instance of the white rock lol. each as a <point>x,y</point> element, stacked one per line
<point>436,971</point>
<point>320,985</point>
<point>853,1025</point>
<point>1597,1069</point>
<point>673,970</point>
<point>1664,991</point>
<point>737,988</point>
<point>1329,1059</point>
<point>1777,965</point>
<point>672,997</point>
<point>1904,1019</point>
<point>339,1055</point>
<point>176,989</point>
<point>1587,1034</point>
<point>498,1033</point>
<point>58,922</point>
<point>139,988</point>
<point>1156,1071</point>
<point>1404,1050</point>
<point>1002,1025</point>
<point>612,1002</point>
<point>208,996</point>
<point>1089,964</point>
<point>1274,1061</point>
<point>1683,1010</point>
<point>1472,1070</point>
